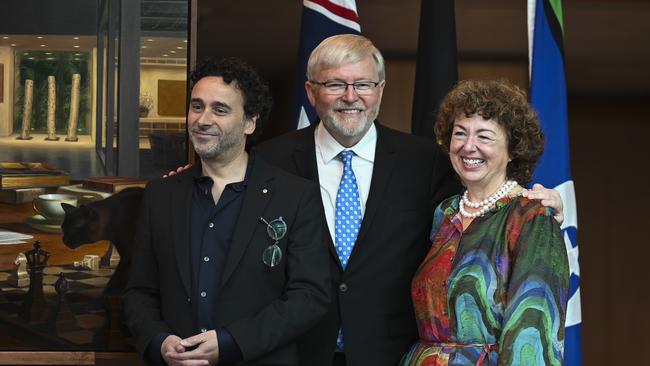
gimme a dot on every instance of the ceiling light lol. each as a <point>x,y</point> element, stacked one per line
<point>76,46</point>
<point>26,54</point>
<point>166,55</point>
<point>75,37</point>
<point>13,45</point>
<point>179,48</point>
<point>5,37</point>
<point>50,58</point>
<point>172,51</point>
<point>43,45</point>
<point>48,53</point>
<point>77,59</point>
<point>143,47</point>
<point>185,41</point>
<point>31,58</point>
<point>40,37</point>
<point>77,54</point>
<point>149,40</point>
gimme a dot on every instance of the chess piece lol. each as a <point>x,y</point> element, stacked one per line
<point>111,258</point>
<point>19,276</point>
<point>89,261</point>
<point>74,109</point>
<point>27,110</point>
<point>51,109</point>
<point>34,304</point>
<point>61,316</point>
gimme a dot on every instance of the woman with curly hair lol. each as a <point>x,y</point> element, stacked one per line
<point>493,288</point>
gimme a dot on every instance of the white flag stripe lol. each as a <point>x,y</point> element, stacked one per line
<point>574,313</point>
<point>348,4</point>
<point>531,33</point>
<point>303,120</point>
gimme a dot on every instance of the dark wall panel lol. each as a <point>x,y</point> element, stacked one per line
<point>60,17</point>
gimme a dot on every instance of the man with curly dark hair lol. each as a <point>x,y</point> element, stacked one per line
<point>230,263</point>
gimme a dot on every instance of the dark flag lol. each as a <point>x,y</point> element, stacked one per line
<point>436,68</point>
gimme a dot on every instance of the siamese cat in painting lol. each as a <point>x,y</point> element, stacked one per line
<point>114,219</point>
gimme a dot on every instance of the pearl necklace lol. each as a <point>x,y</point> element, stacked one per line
<point>485,205</point>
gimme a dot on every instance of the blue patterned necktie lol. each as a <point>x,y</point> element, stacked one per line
<point>348,210</point>
<point>348,217</point>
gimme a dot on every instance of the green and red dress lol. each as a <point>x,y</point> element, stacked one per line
<point>494,294</point>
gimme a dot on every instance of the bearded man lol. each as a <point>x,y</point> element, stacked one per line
<point>230,264</point>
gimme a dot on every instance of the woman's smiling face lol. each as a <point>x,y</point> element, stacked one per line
<point>479,153</point>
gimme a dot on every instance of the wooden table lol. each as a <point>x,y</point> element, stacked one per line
<point>13,216</point>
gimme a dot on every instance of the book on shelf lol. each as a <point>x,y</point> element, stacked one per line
<point>112,184</point>
<point>22,195</point>
<point>31,175</point>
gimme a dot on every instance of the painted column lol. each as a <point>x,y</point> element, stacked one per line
<point>51,109</point>
<point>27,110</point>
<point>74,109</point>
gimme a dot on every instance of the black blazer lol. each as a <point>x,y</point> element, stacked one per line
<point>371,298</point>
<point>265,309</point>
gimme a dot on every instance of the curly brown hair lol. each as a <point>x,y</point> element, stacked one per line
<point>504,103</point>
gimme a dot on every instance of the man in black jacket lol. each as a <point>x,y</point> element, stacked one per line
<point>230,263</point>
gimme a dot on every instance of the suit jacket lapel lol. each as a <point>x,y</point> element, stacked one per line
<point>257,196</point>
<point>383,166</point>
<point>304,155</point>
<point>180,205</point>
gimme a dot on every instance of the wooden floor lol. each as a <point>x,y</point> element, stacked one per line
<point>70,358</point>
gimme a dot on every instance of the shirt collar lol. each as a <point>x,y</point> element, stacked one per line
<point>204,183</point>
<point>330,148</point>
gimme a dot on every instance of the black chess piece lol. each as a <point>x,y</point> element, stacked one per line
<point>34,305</point>
<point>61,315</point>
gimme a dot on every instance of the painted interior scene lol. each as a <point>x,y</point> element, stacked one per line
<point>90,109</point>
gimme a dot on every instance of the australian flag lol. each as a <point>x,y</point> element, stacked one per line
<point>320,19</point>
<point>548,97</point>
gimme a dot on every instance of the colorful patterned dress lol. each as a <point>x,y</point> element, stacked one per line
<point>494,294</point>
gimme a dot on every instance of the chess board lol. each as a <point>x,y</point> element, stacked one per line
<point>86,320</point>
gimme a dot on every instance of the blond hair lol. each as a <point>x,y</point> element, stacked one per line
<point>344,49</point>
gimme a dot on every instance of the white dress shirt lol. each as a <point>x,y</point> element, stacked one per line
<point>330,169</point>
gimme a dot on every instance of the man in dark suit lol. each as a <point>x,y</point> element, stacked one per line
<point>230,262</point>
<point>398,181</point>
<point>400,178</point>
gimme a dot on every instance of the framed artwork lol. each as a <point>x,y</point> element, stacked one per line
<point>171,97</point>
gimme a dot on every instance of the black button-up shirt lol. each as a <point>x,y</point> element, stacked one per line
<point>211,231</point>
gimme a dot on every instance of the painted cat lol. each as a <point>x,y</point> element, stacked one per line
<point>114,219</point>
